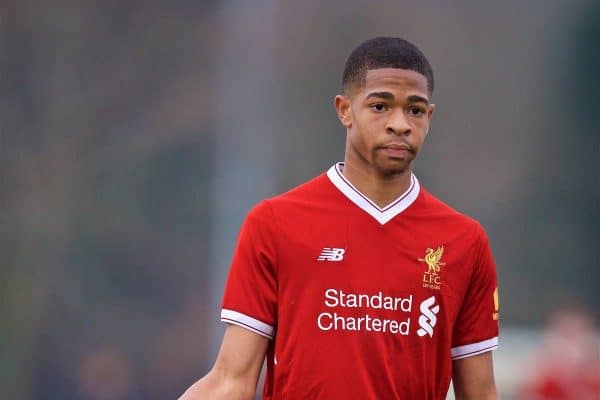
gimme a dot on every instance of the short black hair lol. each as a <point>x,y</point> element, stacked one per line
<point>385,52</point>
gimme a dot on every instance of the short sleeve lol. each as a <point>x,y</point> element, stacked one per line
<point>477,324</point>
<point>250,298</point>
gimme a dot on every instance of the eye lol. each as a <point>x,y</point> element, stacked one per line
<point>416,111</point>
<point>379,107</point>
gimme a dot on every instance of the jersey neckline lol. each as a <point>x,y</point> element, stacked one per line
<point>382,215</point>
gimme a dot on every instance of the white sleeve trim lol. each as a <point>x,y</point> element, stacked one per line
<point>473,349</point>
<point>246,321</point>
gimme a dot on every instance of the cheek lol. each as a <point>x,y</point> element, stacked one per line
<point>361,138</point>
<point>370,125</point>
<point>418,143</point>
<point>365,134</point>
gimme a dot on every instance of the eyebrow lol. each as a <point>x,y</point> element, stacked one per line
<point>417,99</point>
<point>380,95</point>
<point>389,96</point>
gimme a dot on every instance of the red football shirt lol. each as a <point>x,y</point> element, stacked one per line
<point>362,302</point>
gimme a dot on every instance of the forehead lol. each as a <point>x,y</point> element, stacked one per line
<point>395,80</point>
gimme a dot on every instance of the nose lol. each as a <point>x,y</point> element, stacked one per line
<point>398,124</point>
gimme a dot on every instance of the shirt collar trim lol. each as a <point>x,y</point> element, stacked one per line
<point>382,215</point>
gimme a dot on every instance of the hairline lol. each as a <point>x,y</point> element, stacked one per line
<point>352,85</point>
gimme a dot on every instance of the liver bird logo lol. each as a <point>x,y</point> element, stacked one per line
<point>432,259</point>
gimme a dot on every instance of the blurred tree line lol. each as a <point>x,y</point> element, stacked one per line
<point>106,161</point>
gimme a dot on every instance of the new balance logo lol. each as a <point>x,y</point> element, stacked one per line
<point>428,318</point>
<point>331,254</point>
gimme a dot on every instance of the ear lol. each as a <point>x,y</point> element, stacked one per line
<point>430,111</point>
<point>343,109</point>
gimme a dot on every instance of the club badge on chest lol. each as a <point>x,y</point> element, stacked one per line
<point>431,277</point>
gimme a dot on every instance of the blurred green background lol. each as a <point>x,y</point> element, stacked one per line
<point>135,135</point>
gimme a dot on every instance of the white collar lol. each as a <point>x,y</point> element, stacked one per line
<point>382,215</point>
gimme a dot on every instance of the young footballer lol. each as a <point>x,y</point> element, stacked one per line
<point>360,284</point>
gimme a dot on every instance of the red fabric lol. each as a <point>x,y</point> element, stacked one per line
<point>277,278</point>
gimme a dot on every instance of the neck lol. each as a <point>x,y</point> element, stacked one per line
<point>382,190</point>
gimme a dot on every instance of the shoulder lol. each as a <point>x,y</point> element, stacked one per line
<point>303,196</point>
<point>432,207</point>
<point>314,186</point>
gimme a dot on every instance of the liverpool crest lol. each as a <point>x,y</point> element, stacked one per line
<point>431,278</point>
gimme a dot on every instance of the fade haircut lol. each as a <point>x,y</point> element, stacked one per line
<point>384,52</point>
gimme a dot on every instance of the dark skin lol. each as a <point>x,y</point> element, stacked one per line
<point>386,120</point>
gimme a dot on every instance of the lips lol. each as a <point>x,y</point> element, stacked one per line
<point>397,147</point>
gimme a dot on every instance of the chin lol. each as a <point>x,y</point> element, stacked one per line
<point>392,166</point>
<point>392,169</point>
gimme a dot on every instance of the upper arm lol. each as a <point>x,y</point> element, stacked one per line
<point>236,370</point>
<point>251,292</point>
<point>475,333</point>
<point>241,355</point>
<point>476,327</point>
<point>473,378</point>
